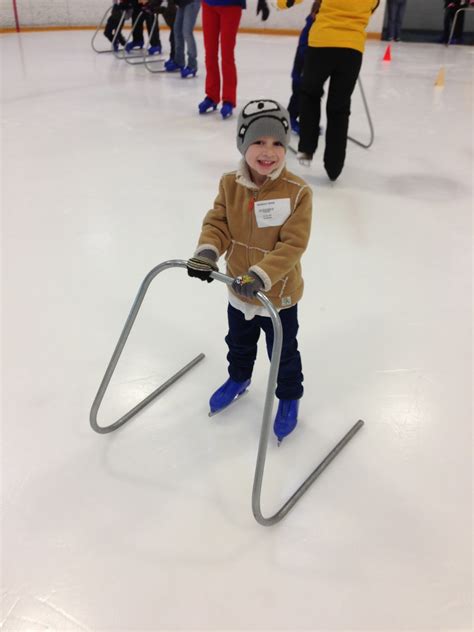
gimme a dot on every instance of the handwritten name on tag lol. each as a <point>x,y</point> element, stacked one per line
<point>272,212</point>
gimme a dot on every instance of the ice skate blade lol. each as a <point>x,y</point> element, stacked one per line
<point>216,412</point>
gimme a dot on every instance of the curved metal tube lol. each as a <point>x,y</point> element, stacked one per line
<point>269,398</point>
<point>468,9</point>
<point>118,351</point>
<point>122,54</point>
<point>99,28</point>
<point>141,57</point>
<point>265,432</point>
<point>146,59</point>
<point>293,499</point>
<point>371,126</point>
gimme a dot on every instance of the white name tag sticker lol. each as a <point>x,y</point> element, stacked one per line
<point>272,212</point>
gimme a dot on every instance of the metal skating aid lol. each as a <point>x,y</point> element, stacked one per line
<point>100,27</point>
<point>142,56</point>
<point>267,409</point>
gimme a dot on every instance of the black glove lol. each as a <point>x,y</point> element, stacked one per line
<point>202,265</point>
<point>262,7</point>
<point>247,284</point>
<point>290,3</point>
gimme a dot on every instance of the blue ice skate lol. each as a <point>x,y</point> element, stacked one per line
<point>155,50</point>
<point>188,72</point>
<point>229,392</point>
<point>226,109</point>
<point>295,126</point>
<point>133,44</point>
<point>206,105</point>
<point>286,418</point>
<point>172,66</point>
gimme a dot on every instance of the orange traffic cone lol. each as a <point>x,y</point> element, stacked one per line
<point>439,83</point>
<point>388,54</point>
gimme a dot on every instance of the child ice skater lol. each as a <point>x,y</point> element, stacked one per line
<point>261,220</point>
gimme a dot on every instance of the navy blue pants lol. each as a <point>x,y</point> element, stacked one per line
<point>242,342</point>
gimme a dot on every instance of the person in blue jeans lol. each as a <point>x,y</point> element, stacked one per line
<point>183,35</point>
<point>396,11</point>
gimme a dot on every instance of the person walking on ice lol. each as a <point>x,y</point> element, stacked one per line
<point>261,220</point>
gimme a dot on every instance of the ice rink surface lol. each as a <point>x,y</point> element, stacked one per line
<point>107,171</point>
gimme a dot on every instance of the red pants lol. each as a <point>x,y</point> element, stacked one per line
<point>220,22</point>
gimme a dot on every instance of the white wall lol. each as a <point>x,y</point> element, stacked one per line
<point>376,21</point>
<point>6,14</point>
<point>53,12</point>
<point>89,12</point>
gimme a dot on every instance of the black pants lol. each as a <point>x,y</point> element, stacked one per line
<point>169,15</point>
<point>112,25</point>
<point>242,342</point>
<point>341,66</point>
<point>146,18</point>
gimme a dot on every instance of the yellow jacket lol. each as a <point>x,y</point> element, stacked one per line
<point>273,252</point>
<point>339,23</point>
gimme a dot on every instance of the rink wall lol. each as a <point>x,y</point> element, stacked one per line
<point>33,14</point>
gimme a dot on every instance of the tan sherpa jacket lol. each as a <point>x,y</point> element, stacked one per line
<point>273,252</point>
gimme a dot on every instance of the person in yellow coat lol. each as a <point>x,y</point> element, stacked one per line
<point>335,47</point>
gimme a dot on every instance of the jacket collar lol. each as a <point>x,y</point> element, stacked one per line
<point>242,176</point>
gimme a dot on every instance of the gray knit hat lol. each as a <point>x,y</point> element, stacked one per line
<point>264,117</point>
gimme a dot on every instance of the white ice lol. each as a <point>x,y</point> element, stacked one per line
<point>107,171</point>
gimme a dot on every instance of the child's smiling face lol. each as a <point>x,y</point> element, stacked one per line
<point>263,157</point>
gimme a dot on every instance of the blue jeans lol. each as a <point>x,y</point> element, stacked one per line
<point>242,342</point>
<point>183,32</point>
<point>396,10</point>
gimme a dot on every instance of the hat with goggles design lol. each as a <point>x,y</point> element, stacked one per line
<point>263,117</point>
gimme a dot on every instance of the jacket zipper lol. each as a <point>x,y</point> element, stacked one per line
<point>252,201</point>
